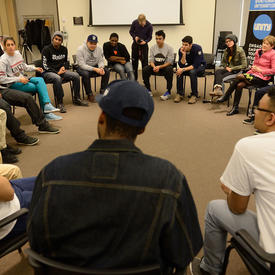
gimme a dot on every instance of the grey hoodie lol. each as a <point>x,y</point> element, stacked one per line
<point>87,59</point>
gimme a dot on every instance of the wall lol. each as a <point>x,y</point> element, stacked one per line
<point>36,7</point>
<point>231,16</point>
<point>198,17</point>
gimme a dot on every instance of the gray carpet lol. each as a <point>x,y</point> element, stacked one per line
<point>198,139</point>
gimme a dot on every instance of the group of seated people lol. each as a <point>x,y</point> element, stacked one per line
<point>112,206</point>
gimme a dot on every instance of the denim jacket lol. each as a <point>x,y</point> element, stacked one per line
<point>112,206</point>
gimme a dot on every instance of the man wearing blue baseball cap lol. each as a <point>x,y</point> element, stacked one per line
<point>90,61</point>
<point>112,206</point>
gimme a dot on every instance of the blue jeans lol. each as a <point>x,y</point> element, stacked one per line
<point>35,85</point>
<point>193,79</point>
<point>23,189</point>
<point>121,69</point>
<point>219,221</point>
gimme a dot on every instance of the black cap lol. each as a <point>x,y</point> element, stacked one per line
<point>122,94</point>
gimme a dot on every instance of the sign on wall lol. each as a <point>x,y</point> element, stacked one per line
<point>260,24</point>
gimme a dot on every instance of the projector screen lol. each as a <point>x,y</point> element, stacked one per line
<point>123,12</point>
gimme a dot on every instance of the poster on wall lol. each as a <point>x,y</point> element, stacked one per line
<point>261,22</point>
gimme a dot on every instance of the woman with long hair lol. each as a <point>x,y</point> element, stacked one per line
<point>259,75</point>
<point>12,69</point>
<point>233,61</point>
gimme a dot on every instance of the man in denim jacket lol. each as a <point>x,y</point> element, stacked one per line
<point>111,206</point>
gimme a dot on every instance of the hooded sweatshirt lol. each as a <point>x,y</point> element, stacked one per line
<point>12,68</point>
<point>87,59</point>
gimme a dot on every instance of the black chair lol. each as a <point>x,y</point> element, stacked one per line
<point>74,68</point>
<point>209,70</point>
<point>38,63</point>
<point>45,266</point>
<point>174,65</point>
<point>13,243</point>
<point>257,261</point>
<point>221,44</point>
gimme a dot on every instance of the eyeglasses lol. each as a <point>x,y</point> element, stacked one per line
<point>264,110</point>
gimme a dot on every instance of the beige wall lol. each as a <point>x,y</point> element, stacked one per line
<point>198,16</point>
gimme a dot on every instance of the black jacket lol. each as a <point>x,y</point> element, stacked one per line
<point>53,59</point>
<point>120,50</point>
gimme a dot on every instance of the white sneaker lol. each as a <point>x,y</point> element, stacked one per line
<point>48,108</point>
<point>165,96</point>
<point>51,116</point>
<point>150,93</point>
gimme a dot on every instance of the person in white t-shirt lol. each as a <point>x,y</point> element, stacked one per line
<point>251,170</point>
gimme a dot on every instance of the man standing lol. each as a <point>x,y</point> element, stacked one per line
<point>115,206</point>
<point>55,64</point>
<point>192,63</point>
<point>90,63</point>
<point>160,63</point>
<point>118,57</point>
<point>141,31</point>
<point>249,171</point>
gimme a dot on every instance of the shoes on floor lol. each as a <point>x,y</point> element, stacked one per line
<point>27,140</point>
<point>178,98</point>
<point>150,93</point>
<point>233,111</point>
<point>165,96</point>
<point>193,99</point>
<point>195,268</point>
<point>91,98</point>
<point>62,108</point>
<point>249,120</point>
<point>48,129</point>
<point>8,157</point>
<point>52,116</point>
<point>79,102</point>
<point>48,108</point>
<point>13,150</point>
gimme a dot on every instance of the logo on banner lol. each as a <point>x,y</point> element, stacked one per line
<point>262,26</point>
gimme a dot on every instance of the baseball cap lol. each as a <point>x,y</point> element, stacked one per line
<point>92,38</point>
<point>122,94</point>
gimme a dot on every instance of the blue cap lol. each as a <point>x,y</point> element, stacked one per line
<point>92,38</point>
<point>122,94</point>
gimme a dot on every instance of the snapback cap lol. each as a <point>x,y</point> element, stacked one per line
<point>92,38</point>
<point>122,94</point>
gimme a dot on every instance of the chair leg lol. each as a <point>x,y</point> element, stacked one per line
<point>82,87</point>
<point>155,82</point>
<point>226,258</point>
<point>184,83</point>
<point>19,250</point>
<point>13,109</point>
<point>204,93</point>
<point>72,90</point>
<point>95,84</point>
<point>249,101</point>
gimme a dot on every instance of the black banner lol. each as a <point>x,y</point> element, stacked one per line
<point>260,24</point>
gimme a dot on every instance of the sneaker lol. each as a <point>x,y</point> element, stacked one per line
<point>48,129</point>
<point>8,157</point>
<point>79,102</point>
<point>178,98</point>
<point>150,93</point>
<point>14,150</point>
<point>165,96</point>
<point>249,120</point>
<point>218,91</point>
<point>193,99</point>
<point>62,108</point>
<point>48,108</point>
<point>52,116</point>
<point>257,132</point>
<point>195,268</point>
<point>26,140</point>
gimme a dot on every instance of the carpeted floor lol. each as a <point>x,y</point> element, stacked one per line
<point>198,139</point>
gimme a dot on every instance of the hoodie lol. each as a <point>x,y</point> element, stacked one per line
<point>87,59</point>
<point>12,68</point>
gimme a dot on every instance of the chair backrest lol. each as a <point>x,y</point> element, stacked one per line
<point>43,265</point>
<point>210,60</point>
<point>74,58</point>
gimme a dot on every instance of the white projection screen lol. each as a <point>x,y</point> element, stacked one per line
<point>123,12</point>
